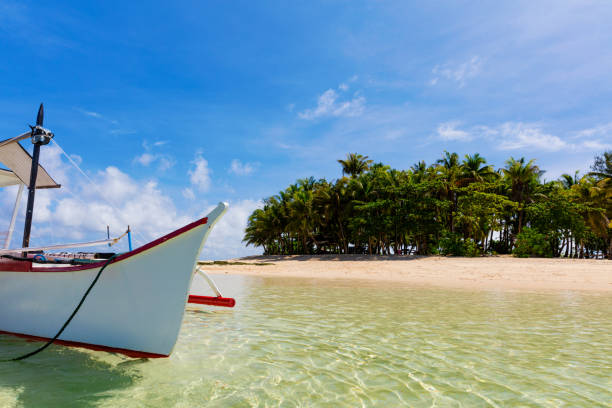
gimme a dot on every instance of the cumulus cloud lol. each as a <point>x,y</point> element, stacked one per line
<point>163,160</point>
<point>226,238</point>
<point>199,175</point>
<point>145,159</point>
<point>458,73</point>
<point>241,169</point>
<point>329,104</point>
<point>596,145</point>
<point>449,131</point>
<point>80,210</point>
<point>518,135</point>
<point>188,194</point>
<point>506,136</point>
<point>165,163</point>
<point>591,138</point>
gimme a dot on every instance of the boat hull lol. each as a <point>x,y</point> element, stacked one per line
<point>135,308</point>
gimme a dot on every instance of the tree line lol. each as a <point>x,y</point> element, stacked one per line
<point>455,206</point>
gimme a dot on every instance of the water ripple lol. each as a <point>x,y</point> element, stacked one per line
<point>301,343</point>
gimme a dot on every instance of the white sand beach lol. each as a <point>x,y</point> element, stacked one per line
<point>499,272</point>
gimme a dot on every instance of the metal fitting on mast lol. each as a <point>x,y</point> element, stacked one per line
<point>40,135</point>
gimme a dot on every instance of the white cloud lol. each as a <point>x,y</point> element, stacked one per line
<point>458,73</point>
<point>591,138</point>
<point>97,115</point>
<point>596,145</point>
<point>188,194</point>
<point>226,238</point>
<point>164,161</point>
<point>343,87</point>
<point>76,158</point>
<point>145,159</point>
<point>118,186</point>
<point>449,131</point>
<point>601,130</point>
<point>93,114</point>
<point>395,134</point>
<point>518,135</point>
<point>241,169</point>
<point>81,211</point>
<point>200,174</point>
<point>506,136</point>
<point>329,105</point>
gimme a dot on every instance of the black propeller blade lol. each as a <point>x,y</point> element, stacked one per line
<point>40,116</point>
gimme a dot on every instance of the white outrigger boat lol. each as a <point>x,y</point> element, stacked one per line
<point>131,303</point>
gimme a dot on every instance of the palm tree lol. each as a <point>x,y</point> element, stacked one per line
<point>473,169</point>
<point>355,164</point>
<point>521,176</point>
<point>302,217</point>
<point>334,203</point>
<point>597,200</point>
<point>602,168</point>
<point>419,167</point>
<point>449,170</point>
<point>567,181</point>
<point>383,210</point>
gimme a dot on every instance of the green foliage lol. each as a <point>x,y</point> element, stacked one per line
<point>460,207</point>
<point>499,247</point>
<point>471,248</point>
<point>452,244</point>
<point>455,245</point>
<point>530,243</point>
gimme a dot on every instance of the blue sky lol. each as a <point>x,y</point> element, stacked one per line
<point>184,104</point>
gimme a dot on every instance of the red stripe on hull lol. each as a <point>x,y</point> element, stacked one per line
<point>95,347</point>
<point>7,265</point>
<point>10,265</point>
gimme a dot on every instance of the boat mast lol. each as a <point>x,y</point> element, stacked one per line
<point>40,136</point>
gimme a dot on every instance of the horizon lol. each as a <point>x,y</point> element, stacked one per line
<point>171,109</point>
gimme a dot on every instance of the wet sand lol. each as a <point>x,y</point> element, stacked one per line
<point>498,272</point>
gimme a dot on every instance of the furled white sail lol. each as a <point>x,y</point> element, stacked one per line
<point>19,162</point>
<point>8,178</point>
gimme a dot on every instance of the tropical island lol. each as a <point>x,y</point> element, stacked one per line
<point>455,206</point>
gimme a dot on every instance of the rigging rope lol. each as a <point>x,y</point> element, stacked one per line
<point>75,311</point>
<point>110,242</point>
<point>94,185</point>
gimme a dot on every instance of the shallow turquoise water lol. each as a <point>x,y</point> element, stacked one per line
<point>297,342</point>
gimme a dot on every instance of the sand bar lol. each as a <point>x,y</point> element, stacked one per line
<point>498,272</point>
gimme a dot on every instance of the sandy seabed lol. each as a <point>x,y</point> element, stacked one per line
<point>496,272</point>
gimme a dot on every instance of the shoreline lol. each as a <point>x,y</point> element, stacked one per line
<point>491,273</point>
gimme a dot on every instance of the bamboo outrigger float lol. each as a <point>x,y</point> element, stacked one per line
<point>131,303</point>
